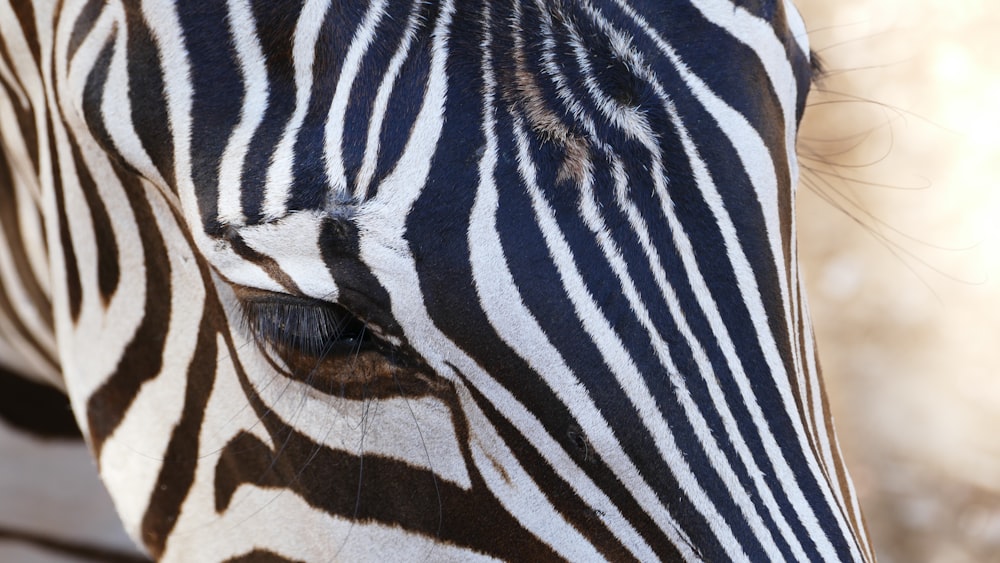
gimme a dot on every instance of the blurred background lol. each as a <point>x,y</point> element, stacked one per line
<point>899,225</point>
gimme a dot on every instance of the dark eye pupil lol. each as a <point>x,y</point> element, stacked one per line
<point>350,333</point>
<point>352,329</point>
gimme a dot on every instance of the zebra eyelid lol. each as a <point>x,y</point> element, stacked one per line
<point>303,325</point>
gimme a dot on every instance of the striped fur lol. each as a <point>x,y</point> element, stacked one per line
<point>445,280</point>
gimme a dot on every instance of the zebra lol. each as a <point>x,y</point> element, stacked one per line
<point>427,279</point>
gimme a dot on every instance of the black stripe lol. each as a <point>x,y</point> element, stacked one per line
<point>74,290</point>
<point>108,270</point>
<point>266,263</point>
<point>359,289</point>
<point>36,408</point>
<point>93,102</point>
<point>374,488</point>
<point>83,25</point>
<point>177,469</point>
<point>142,358</point>
<point>146,94</point>
<point>261,556</point>
<point>25,115</point>
<point>407,97</point>
<point>440,249</point>
<point>25,12</point>
<point>717,65</point>
<point>371,69</point>
<point>311,184</point>
<point>10,221</point>
<point>217,98</point>
<point>561,494</point>
<point>276,31</point>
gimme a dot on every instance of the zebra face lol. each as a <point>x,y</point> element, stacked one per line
<point>450,280</point>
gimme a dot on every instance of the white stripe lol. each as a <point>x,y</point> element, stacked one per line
<point>24,64</point>
<point>384,249</point>
<point>638,225</point>
<point>515,324</point>
<point>166,30</point>
<point>25,185</point>
<point>397,273</point>
<point>747,284</point>
<point>7,77</point>
<point>615,355</point>
<point>797,26</point>
<point>818,414</point>
<point>334,137</point>
<point>24,307</point>
<point>246,525</point>
<point>279,176</point>
<point>418,431</point>
<point>751,150</point>
<point>228,412</point>
<point>32,229</point>
<point>831,445</point>
<point>84,371</point>
<point>716,456</point>
<point>758,35</point>
<point>132,456</point>
<point>381,105</point>
<point>293,243</point>
<point>253,106</point>
<point>757,161</point>
<point>518,493</point>
<point>116,107</point>
<point>164,24</point>
<point>517,327</point>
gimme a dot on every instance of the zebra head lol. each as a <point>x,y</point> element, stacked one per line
<point>442,279</point>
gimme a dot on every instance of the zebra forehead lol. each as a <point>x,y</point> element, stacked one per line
<point>341,111</point>
<point>301,143</point>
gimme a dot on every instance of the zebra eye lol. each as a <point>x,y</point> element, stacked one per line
<point>303,330</point>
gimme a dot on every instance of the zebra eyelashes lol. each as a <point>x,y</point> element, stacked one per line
<point>326,347</point>
<point>300,329</point>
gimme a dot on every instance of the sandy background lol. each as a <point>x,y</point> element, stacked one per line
<point>899,223</point>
